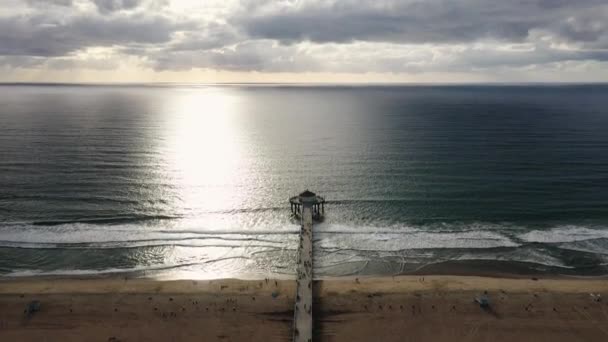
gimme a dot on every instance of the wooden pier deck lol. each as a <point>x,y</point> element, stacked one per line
<point>302,330</point>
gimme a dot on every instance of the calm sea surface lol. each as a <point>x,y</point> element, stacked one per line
<point>193,181</point>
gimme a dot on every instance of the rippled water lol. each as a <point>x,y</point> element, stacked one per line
<point>194,180</point>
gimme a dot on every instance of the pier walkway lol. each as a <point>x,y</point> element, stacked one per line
<point>302,326</point>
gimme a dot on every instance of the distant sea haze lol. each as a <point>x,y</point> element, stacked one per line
<point>194,181</point>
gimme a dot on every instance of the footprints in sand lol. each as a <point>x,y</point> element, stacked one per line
<point>184,306</point>
<point>500,305</point>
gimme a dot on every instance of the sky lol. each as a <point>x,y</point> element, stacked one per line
<point>335,41</point>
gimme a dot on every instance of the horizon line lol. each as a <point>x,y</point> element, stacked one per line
<point>207,84</point>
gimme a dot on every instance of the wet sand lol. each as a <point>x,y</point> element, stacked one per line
<point>406,308</point>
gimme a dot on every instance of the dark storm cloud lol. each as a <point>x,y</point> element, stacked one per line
<point>65,3</point>
<point>471,59</point>
<point>46,36</point>
<point>106,6</point>
<point>429,21</point>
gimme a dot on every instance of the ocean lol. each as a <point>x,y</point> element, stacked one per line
<point>193,181</point>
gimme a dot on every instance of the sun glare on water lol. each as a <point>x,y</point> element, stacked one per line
<point>204,149</point>
<point>204,165</point>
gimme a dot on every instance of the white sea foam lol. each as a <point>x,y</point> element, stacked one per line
<point>566,233</point>
<point>518,255</point>
<point>595,246</point>
<point>329,236</point>
<point>84,235</point>
<point>384,241</point>
<point>207,252</point>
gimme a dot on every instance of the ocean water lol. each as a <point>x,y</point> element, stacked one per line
<point>193,181</point>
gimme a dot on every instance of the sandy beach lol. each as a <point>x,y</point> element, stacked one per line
<point>404,308</point>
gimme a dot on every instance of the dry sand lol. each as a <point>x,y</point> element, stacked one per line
<point>406,308</point>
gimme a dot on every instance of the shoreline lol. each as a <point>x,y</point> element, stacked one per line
<point>111,284</point>
<point>481,268</point>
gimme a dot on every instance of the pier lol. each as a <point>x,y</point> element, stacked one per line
<point>317,204</point>
<point>307,206</point>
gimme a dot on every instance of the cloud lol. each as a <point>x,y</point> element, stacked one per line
<point>259,55</point>
<point>209,36</point>
<point>107,6</point>
<point>344,36</point>
<point>415,21</point>
<point>65,3</point>
<point>42,35</point>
